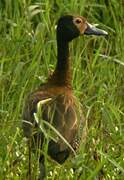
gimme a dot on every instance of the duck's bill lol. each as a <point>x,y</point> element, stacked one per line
<point>93,30</point>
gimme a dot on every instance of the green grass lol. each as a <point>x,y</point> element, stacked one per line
<point>28,55</point>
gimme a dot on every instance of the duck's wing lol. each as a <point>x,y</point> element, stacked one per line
<point>29,110</point>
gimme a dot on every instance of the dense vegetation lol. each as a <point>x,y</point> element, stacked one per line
<point>28,55</point>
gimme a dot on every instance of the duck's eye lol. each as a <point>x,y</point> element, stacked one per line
<point>78,21</point>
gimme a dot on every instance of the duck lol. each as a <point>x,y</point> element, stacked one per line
<point>60,109</point>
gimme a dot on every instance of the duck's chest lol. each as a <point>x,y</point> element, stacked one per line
<point>62,113</point>
<point>61,110</point>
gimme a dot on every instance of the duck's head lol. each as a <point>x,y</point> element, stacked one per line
<point>70,27</point>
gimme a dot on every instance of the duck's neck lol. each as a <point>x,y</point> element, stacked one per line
<point>62,73</point>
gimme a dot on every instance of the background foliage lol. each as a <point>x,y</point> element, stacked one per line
<point>28,55</point>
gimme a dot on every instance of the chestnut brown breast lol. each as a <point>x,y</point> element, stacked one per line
<point>60,112</point>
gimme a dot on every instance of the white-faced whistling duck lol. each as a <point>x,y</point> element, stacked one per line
<point>61,110</point>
